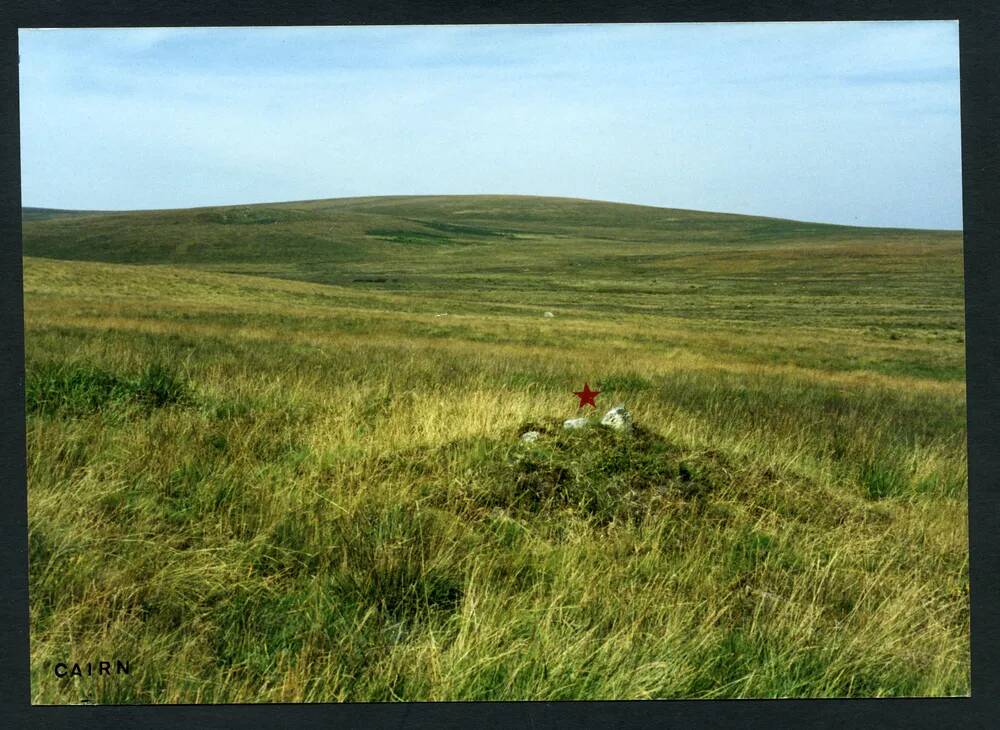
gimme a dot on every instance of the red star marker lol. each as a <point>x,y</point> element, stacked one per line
<point>586,396</point>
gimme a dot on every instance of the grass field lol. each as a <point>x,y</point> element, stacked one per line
<point>273,454</point>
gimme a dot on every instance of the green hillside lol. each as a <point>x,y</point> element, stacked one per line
<point>274,453</point>
<point>43,214</point>
<point>330,234</point>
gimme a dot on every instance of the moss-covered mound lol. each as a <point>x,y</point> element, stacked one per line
<point>600,472</point>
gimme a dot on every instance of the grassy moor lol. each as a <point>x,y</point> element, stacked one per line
<point>274,454</point>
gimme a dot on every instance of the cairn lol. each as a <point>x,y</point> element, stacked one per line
<point>617,419</point>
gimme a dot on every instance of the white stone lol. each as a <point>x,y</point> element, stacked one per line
<point>618,418</point>
<point>530,436</point>
<point>548,314</point>
<point>576,423</point>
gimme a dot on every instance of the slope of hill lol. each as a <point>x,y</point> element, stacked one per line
<point>397,228</point>
<point>43,214</point>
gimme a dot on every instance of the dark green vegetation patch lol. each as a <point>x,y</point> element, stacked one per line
<point>601,472</point>
<point>252,215</point>
<point>78,389</point>
<point>598,473</point>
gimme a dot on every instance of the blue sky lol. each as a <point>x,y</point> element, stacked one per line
<point>837,122</point>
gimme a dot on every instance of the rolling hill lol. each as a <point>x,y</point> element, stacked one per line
<point>350,230</point>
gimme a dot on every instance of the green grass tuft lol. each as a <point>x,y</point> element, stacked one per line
<point>80,389</point>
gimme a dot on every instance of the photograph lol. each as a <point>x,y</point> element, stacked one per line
<point>515,362</point>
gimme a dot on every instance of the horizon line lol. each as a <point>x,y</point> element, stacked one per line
<point>481,195</point>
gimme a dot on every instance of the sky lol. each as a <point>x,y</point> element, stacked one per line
<point>854,123</point>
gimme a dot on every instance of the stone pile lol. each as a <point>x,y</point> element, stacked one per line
<point>618,419</point>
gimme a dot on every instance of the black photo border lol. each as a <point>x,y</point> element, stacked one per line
<point>979,29</point>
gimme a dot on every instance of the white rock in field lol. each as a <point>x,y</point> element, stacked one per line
<point>444,314</point>
<point>548,314</point>
<point>576,423</point>
<point>618,418</point>
<point>530,436</point>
